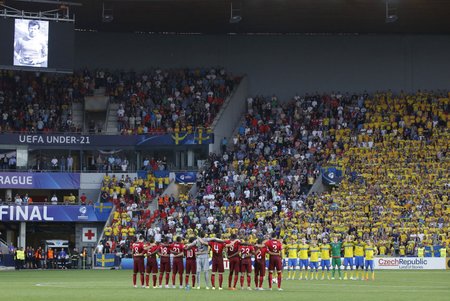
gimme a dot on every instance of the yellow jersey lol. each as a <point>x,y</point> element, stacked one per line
<point>314,251</point>
<point>325,251</point>
<point>370,252</point>
<point>108,231</point>
<point>359,249</point>
<point>292,250</point>
<point>348,249</point>
<point>303,251</point>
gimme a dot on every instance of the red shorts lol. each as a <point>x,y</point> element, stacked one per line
<point>191,266</point>
<point>246,265</point>
<point>235,264</point>
<point>178,266</point>
<point>260,268</point>
<point>164,265</point>
<point>138,264</point>
<point>217,264</point>
<point>152,265</point>
<point>275,263</point>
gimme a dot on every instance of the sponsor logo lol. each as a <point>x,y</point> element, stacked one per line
<point>83,212</point>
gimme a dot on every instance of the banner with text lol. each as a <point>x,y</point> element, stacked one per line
<point>77,140</point>
<point>53,213</point>
<point>409,263</point>
<point>38,180</point>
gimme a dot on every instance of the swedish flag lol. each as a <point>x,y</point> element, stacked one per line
<point>105,260</point>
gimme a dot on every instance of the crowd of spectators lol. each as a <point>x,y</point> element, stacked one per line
<point>393,149</point>
<point>156,101</point>
<point>168,100</point>
<point>33,102</point>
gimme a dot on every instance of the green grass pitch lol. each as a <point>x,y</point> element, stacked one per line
<point>114,285</point>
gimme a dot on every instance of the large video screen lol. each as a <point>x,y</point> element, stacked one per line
<point>30,43</point>
<point>40,45</point>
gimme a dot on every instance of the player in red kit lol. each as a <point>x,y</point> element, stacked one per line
<point>152,264</point>
<point>246,250</point>
<point>234,261</point>
<point>138,260</point>
<point>177,249</point>
<point>217,245</point>
<point>164,264</point>
<point>191,262</point>
<point>260,264</point>
<point>274,248</point>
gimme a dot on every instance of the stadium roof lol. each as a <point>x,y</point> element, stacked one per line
<point>258,16</point>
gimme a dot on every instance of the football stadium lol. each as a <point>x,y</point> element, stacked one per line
<point>217,149</point>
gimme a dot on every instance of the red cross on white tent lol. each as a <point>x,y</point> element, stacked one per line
<point>89,235</point>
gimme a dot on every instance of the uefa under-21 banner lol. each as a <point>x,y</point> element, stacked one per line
<point>80,141</point>
<point>55,213</point>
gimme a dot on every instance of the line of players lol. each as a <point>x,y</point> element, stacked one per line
<point>238,251</point>
<point>356,253</point>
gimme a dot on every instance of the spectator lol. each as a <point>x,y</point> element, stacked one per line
<point>18,200</point>
<point>69,163</point>
<point>54,199</point>
<point>62,164</point>
<point>83,199</point>
<point>54,163</point>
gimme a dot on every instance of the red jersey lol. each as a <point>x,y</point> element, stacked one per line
<point>152,250</point>
<point>217,248</point>
<point>164,250</point>
<point>246,251</point>
<point>233,249</point>
<point>190,253</point>
<point>261,254</point>
<point>177,248</point>
<point>273,246</point>
<point>138,248</point>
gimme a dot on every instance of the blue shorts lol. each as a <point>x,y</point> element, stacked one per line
<point>314,265</point>
<point>304,263</point>
<point>359,261</point>
<point>292,262</point>
<point>369,264</point>
<point>348,261</point>
<point>325,263</point>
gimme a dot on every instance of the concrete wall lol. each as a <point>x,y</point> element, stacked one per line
<point>284,64</point>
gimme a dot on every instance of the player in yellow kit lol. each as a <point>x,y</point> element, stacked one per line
<point>348,256</point>
<point>292,255</point>
<point>370,252</point>
<point>359,257</point>
<point>325,258</point>
<point>314,251</point>
<point>303,258</point>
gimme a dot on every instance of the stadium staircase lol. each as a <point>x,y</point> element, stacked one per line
<point>78,114</point>
<point>318,186</point>
<point>3,247</point>
<point>111,118</point>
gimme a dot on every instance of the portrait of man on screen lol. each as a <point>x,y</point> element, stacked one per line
<point>31,43</point>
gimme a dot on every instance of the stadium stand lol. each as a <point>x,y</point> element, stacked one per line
<point>155,102</point>
<point>160,100</point>
<point>385,143</point>
<point>39,102</point>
